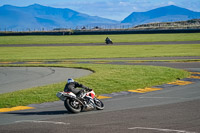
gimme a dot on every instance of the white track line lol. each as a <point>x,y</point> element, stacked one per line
<point>48,122</point>
<point>160,129</point>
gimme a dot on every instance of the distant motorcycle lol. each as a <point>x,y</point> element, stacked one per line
<point>76,105</point>
<point>108,41</point>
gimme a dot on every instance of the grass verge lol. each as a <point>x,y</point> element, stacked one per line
<point>98,38</point>
<point>84,52</point>
<point>106,79</point>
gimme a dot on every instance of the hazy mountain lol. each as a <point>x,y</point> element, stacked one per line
<point>163,14</point>
<point>38,16</point>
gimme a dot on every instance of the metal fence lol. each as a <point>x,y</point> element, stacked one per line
<point>80,27</point>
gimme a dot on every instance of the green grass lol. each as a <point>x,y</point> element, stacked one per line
<point>84,52</point>
<point>106,79</point>
<point>98,38</point>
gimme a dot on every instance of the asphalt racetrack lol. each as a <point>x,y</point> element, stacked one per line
<point>173,109</point>
<point>17,78</point>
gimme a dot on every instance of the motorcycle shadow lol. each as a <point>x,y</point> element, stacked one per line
<point>57,112</point>
<point>61,112</point>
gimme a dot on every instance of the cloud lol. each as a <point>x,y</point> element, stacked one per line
<point>121,3</point>
<point>171,3</point>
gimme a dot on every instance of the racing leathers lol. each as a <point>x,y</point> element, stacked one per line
<point>72,87</point>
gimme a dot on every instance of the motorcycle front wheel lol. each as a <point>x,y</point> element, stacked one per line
<point>72,105</point>
<point>99,104</point>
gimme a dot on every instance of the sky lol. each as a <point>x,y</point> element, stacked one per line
<point>112,9</point>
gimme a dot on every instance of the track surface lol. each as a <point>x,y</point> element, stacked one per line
<point>99,44</point>
<point>174,109</point>
<point>17,78</point>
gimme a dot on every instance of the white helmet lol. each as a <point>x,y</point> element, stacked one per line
<point>70,80</point>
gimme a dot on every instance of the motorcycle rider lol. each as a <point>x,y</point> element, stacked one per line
<point>108,40</point>
<point>72,85</point>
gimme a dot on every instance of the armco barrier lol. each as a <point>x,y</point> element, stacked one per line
<point>35,33</point>
<point>101,32</point>
<point>153,31</point>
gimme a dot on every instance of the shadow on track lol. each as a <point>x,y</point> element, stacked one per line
<point>61,112</point>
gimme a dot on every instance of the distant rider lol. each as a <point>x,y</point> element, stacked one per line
<point>72,85</point>
<point>108,40</point>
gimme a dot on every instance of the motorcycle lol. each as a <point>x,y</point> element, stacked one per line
<point>109,42</point>
<point>87,102</point>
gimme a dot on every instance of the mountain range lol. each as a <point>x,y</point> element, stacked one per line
<point>163,14</point>
<point>37,16</point>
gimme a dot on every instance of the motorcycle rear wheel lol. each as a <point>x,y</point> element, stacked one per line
<point>99,104</point>
<point>72,105</point>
